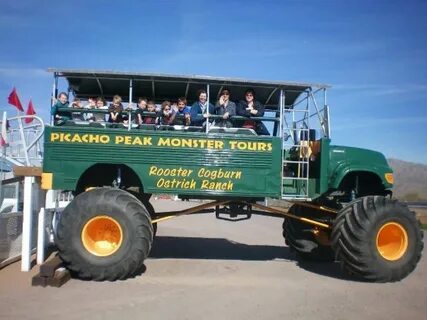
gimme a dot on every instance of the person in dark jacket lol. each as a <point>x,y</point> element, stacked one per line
<point>225,108</point>
<point>200,109</point>
<point>59,117</point>
<point>252,108</point>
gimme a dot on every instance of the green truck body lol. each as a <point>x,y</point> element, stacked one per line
<point>198,164</point>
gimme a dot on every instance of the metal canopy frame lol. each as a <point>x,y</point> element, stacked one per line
<point>159,87</point>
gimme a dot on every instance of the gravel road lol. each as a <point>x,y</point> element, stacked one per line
<point>204,268</point>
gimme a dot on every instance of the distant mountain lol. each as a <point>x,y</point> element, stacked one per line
<point>410,180</point>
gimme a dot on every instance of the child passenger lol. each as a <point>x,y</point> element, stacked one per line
<point>88,116</point>
<point>77,104</point>
<point>100,105</point>
<point>151,108</point>
<point>167,114</point>
<point>115,110</point>
<point>182,116</point>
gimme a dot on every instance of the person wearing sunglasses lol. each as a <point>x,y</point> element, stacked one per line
<point>249,107</point>
<point>225,108</point>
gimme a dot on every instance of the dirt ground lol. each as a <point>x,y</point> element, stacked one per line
<point>204,268</point>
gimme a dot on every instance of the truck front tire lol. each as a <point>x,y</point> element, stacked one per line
<point>377,239</point>
<point>104,234</point>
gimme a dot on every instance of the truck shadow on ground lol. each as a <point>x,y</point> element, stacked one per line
<point>165,247</point>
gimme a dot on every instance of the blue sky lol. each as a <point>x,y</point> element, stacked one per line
<point>373,53</point>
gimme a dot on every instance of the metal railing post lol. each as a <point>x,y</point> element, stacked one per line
<point>207,107</point>
<point>130,104</point>
<point>27,224</point>
<point>41,235</point>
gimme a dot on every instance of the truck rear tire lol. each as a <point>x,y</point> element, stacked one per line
<point>300,236</point>
<point>377,239</point>
<point>104,234</point>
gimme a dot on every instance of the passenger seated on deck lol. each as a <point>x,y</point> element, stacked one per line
<point>167,114</point>
<point>100,105</point>
<point>225,108</point>
<point>90,106</point>
<point>115,110</point>
<point>142,107</point>
<point>249,107</point>
<point>200,109</point>
<point>151,108</point>
<point>182,114</point>
<point>60,117</point>
<point>77,107</point>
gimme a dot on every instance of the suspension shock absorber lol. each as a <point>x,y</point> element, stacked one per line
<point>118,181</point>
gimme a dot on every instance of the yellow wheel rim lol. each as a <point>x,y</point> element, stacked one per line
<point>392,241</point>
<point>102,236</point>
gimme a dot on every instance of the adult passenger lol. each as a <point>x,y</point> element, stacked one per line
<point>225,108</point>
<point>60,116</point>
<point>115,110</point>
<point>142,107</point>
<point>249,107</point>
<point>200,109</point>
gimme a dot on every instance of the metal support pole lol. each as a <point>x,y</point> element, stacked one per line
<point>281,100</point>
<point>282,115</point>
<point>24,142</point>
<point>207,108</point>
<point>41,235</point>
<point>322,125</point>
<point>54,95</point>
<point>130,104</point>
<point>27,224</point>
<point>17,195</point>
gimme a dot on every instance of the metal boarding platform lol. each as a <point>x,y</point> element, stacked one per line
<point>297,141</point>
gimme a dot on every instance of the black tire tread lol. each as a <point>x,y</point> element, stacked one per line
<point>298,238</point>
<point>355,225</point>
<point>105,197</point>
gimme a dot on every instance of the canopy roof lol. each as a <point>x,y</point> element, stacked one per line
<point>160,87</point>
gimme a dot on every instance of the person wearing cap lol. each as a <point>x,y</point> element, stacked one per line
<point>249,107</point>
<point>225,108</point>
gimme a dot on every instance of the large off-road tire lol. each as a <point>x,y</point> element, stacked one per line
<point>304,238</point>
<point>377,239</point>
<point>104,234</point>
<point>152,213</point>
<point>146,202</point>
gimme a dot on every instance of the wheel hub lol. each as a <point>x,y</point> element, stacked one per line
<point>102,236</point>
<point>392,241</point>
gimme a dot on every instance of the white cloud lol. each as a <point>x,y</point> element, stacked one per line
<point>377,122</point>
<point>21,72</point>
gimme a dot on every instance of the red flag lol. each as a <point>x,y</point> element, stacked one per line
<point>14,100</point>
<point>2,141</point>
<point>30,112</point>
<point>3,132</point>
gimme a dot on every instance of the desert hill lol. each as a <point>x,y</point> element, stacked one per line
<point>410,180</point>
